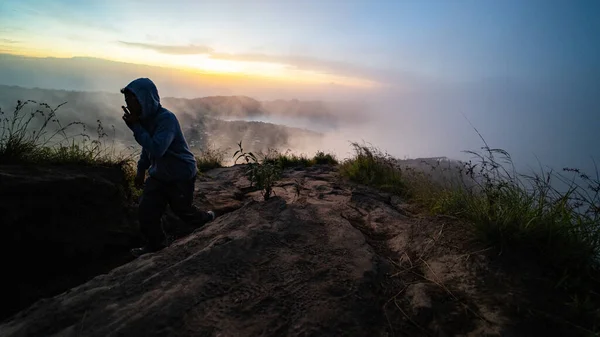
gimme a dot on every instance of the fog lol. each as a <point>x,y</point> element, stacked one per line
<point>553,122</point>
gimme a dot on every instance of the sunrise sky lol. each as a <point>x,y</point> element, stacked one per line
<point>356,43</point>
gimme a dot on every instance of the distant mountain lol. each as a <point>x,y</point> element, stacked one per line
<point>218,120</point>
<point>94,74</point>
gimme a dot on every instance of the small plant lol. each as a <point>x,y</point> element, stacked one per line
<point>263,174</point>
<point>247,156</point>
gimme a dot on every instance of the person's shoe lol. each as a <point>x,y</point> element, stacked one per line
<point>212,215</point>
<point>137,252</point>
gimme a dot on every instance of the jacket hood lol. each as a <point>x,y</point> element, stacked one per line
<point>147,94</point>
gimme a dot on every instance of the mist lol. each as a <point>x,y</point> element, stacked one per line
<point>552,123</point>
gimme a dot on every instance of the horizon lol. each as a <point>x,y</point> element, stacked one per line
<point>525,74</point>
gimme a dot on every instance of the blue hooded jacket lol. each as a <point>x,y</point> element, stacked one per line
<point>165,151</point>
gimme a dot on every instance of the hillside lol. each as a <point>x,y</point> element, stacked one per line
<point>98,104</point>
<point>323,257</point>
<point>225,119</point>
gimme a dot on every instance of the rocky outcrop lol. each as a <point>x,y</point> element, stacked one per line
<point>60,227</point>
<point>320,258</point>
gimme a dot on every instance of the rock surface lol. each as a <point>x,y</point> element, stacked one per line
<point>58,225</point>
<point>321,258</point>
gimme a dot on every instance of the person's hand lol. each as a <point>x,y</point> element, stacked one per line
<point>129,118</point>
<point>139,180</point>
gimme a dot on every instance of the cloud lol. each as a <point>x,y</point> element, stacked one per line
<point>171,49</point>
<point>8,41</point>
<point>333,67</point>
<point>299,62</point>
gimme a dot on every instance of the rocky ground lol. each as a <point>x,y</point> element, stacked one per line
<point>321,258</point>
<point>60,225</point>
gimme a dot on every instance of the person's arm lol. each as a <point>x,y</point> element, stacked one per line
<point>157,144</point>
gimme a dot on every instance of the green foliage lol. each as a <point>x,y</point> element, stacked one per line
<point>291,160</point>
<point>265,175</point>
<point>371,167</point>
<point>285,160</point>
<point>509,210</point>
<point>249,157</point>
<point>262,174</point>
<point>520,212</point>
<point>51,142</point>
<point>549,218</point>
<point>210,158</point>
<point>37,137</point>
<point>322,158</point>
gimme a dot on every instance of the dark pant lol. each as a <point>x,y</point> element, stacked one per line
<point>156,196</point>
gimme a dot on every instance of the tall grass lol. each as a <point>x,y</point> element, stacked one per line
<point>509,210</point>
<point>289,160</point>
<point>33,134</point>
<point>371,167</point>
<point>548,214</point>
<point>548,218</point>
<point>210,158</point>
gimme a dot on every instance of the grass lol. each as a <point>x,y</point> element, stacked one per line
<point>264,170</point>
<point>262,173</point>
<point>51,142</point>
<point>525,217</point>
<point>210,158</point>
<point>527,213</point>
<point>322,158</point>
<point>508,209</point>
<point>33,135</point>
<point>290,160</point>
<point>371,167</point>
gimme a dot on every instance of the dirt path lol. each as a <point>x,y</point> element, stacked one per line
<point>319,259</point>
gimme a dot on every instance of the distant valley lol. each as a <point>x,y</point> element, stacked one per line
<point>217,121</point>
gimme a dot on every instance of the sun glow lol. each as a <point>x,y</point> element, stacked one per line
<point>201,64</point>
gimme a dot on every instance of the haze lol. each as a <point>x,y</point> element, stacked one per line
<point>525,73</point>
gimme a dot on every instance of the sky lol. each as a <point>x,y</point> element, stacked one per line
<point>527,72</point>
<point>357,42</point>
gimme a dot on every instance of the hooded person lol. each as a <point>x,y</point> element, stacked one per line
<point>170,164</point>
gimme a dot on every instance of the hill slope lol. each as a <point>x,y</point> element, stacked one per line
<point>322,258</point>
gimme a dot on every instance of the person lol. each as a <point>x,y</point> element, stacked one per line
<point>170,164</point>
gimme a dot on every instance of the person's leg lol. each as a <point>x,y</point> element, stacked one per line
<point>152,206</point>
<point>181,196</point>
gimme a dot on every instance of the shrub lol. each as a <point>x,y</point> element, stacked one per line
<point>322,158</point>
